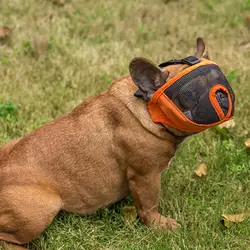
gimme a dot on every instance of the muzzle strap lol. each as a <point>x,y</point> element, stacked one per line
<point>190,60</point>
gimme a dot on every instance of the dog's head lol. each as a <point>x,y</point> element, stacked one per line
<point>186,96</point>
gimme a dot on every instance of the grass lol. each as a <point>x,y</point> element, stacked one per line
<point>90,44</point>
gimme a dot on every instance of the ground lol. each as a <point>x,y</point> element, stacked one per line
<point>90,44</point>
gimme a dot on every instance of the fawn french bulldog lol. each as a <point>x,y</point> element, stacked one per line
<point>112,145</point>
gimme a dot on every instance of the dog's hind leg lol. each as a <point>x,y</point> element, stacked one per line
<point>25,212</point>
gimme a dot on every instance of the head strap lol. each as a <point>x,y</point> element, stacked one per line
<point>190,60</point>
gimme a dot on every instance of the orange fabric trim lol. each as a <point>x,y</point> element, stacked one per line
<point>229,113</point>
<point>214,102</point>
<point>180,121</point>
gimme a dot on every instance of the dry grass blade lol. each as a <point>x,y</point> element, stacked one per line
<point>59,2</point>
<point>168,1</point>
<point>40,45</point>
<point>129,214</point>
<point>228,124</point>
<point>9,246</point>
<point>201,170</point>
<point>245,45</point>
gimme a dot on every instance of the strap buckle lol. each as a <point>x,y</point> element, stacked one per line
<point>191,60</point>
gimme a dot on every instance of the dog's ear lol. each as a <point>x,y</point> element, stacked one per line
<point>147,76</point>
<point>201,48</point>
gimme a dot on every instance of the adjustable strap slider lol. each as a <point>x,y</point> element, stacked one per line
<point>191,60</point>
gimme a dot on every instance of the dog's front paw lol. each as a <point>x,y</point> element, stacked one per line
<point>169,223</point>
<point>161,222</point>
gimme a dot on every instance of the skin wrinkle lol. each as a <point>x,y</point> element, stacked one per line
<point>132,109</point>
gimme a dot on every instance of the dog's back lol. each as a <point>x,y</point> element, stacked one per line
<point>8,147</point>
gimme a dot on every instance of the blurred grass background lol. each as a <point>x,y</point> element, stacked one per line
<point>90,44</point>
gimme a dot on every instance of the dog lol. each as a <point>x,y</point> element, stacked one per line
<point>107,148</point>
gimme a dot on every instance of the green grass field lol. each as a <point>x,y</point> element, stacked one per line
<point>92,43</point>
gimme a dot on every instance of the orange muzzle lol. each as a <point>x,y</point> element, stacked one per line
<point>197,98</point>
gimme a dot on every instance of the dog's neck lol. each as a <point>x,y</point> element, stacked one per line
<point>179,138</point>
<point>123,89</point>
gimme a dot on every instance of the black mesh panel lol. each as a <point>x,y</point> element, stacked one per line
<point>191,94</point>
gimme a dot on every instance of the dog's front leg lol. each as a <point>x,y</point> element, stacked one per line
<point>145,189</point>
